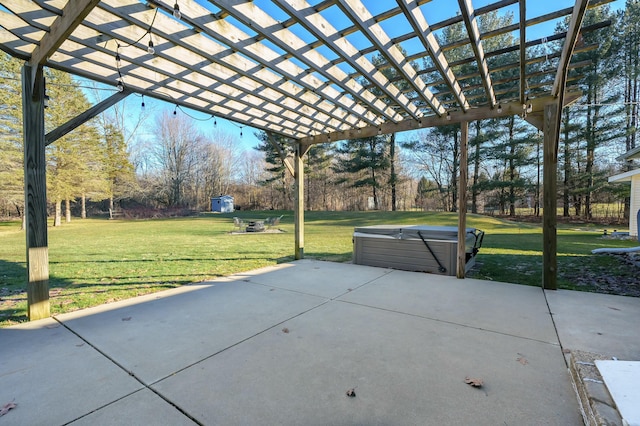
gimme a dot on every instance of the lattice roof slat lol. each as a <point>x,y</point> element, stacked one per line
<point>309,72</point>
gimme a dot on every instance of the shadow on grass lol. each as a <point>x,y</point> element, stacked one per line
<point>13,292</point>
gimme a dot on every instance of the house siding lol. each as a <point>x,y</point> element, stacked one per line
<point>635,205</point>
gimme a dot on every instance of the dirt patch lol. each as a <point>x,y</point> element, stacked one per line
<point>620,276</point>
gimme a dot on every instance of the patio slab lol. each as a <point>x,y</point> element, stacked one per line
<point>282,345</point>
<point>156,338</point>
<point>405,370</point>
<point>601,323</point>
<point>53,376</point>
<point>142,408</point>
<point>504,308</point>
<point>324,279</point>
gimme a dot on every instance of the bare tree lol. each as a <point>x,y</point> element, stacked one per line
<point>175,153</point>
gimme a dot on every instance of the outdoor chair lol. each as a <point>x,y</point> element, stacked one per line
<point>238,223</point>
<point>272,221</point>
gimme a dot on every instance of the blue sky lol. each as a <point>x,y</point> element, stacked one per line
<point>435,11</point>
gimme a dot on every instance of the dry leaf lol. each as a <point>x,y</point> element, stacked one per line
<point>8,406</point>
<point>475,382</point>
<point>566,351</point>
<point>126,319</point>
<point>522,360</point>
<point>285,330</point>
<point>351,393</point>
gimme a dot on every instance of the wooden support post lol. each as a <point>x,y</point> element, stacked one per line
<point>35,185</point>
<point>299,201</point>
<point>462,200</point>
<point>550,202</point>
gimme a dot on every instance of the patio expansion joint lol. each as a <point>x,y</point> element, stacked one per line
<point>350,290</point>
<point>449,322</point>
<point>130,373</point>
<point>555,327</point>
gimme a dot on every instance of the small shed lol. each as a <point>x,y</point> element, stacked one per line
<point>222,204</point>
<point>632,176</point>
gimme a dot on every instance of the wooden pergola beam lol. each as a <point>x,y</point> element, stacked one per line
<point>471,23</point>
<point>323,30</point>
<point>579,10</point>
<point>455,117</point>
<point>72,15</point>
<point>523,49</point>
<point>378,37</point>
<point>429,41</point>
<point>78,121</point>
<point>552,124</point>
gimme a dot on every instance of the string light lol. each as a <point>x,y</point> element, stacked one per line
<point>241,131</point>
<point>499,109</point>
<point>142,105</point>
<point>379,130</point>
<point>448,116</point>
<point>215,121</point>
<point>176,11</point>
<point>175,110</point>
<point>120,86</point>
<point>151,50</point>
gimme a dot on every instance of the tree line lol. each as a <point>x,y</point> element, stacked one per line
<point>108,164</point>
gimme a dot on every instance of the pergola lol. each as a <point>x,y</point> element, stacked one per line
<point>300,69</point>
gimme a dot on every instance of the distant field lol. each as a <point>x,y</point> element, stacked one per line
<point>95,261</point>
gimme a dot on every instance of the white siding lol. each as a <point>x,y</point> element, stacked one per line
<point>635,205</point>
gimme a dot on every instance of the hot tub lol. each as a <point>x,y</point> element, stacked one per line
<point>414,247</point>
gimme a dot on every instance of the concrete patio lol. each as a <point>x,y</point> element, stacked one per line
<point>282,345</point>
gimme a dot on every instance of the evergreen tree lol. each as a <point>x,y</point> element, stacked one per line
<point>11,157</point>
<point>278,181</point>
<point>364,160</point>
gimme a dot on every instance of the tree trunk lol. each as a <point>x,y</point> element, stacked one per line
<point>393,178</point>
<point>476,169</point>
<point>512,169</point>
<point>83,213</point>
<point>454,174</point>
<point>67,210</point>
<point>566,167</point>
<point>57,220</point>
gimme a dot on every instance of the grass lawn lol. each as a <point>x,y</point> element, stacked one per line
<point>95,261</point>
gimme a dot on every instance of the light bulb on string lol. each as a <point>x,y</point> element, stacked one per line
<point>120,86</point>
<point>499,109</point>
<point>142,105</point>
<point>175,110</point>
<point>151,50</point>
<point>176,11</point>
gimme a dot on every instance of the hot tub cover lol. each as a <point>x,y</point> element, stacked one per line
<point>410,232</point>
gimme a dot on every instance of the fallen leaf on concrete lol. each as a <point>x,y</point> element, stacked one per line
<point>351,393</point>
<point>285,330</point>
<point>6,407</point>
<point>126,319</point>
<point>566,351</point>
<point>522,360</point>
<point>473,381</point>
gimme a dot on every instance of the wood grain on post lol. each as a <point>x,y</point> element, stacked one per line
<point>462,200</point>
<point>550,203</point>
<point>35,184</point>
